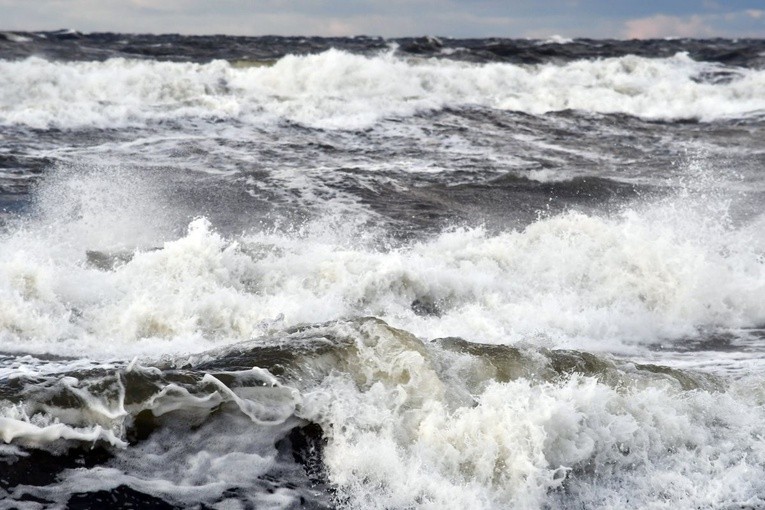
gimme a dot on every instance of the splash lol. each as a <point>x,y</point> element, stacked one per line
<point>73,280</point>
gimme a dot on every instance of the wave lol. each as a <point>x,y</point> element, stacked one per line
<point>91,273</point>
<point>340,90</point>
<point>365,415</point>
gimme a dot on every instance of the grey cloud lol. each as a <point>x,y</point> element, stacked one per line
<point>458,18</point>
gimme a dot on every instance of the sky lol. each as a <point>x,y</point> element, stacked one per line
<point>624,19</point>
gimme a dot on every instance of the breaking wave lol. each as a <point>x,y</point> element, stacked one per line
<point>389,421</point>
<point>336,89</point>
<point>666,270</point>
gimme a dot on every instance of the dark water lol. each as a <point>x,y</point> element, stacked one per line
<point>366,273</point>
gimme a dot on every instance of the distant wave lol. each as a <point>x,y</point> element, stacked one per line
<point>340,90</point>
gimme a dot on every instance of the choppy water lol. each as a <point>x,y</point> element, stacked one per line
<point>366,273</point>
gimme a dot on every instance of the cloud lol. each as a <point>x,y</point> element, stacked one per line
<point>744,23</point>
<point>392,18</point>
<point>659,26</point>
<point>154,5</point>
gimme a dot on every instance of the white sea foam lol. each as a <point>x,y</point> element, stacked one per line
<point>556,39</point>
<point>397,438</point>
<point>29,434</point>
<point>235,447</point>
<point>410,424</point>
<point>44,430</point>
<point>13,37</point>
<point>660,271</point>
<point>336,89</point>
<point>202,466</point>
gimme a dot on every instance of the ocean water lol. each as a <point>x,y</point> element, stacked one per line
<point>365,273</point>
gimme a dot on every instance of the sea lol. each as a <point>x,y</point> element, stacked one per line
<point>368,273</point>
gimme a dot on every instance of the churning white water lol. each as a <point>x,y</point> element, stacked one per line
<point>337,89</point>
<point>344,278</point>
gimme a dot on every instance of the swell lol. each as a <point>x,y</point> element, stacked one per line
<point>348,412</point>
<point>339,90</point>
<point>72,45</point>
